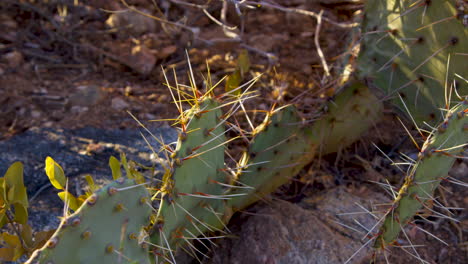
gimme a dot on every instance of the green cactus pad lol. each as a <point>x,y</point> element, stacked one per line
<point>351,114</point>
<point>197,167</point>
<point>285,144</point>
<point>278,152</point>
<point>416,49</point>
<point>105,229</point>
<point>435,160</point>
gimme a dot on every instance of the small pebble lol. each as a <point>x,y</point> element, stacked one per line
<point>119,104</point>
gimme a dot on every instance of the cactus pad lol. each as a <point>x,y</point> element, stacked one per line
<point>105,229</point>
<point>192,185</point>
<point>416,49</point>
<point>435,160</point>
<point>286,144</point>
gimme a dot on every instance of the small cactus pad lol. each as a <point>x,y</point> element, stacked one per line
<point>435,160</point>
<point>416,50</point>
<point>105,229</point>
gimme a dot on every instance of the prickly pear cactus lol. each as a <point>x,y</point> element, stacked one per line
<point>199,194</point>
<point>106,229</point>
<point>416,49</point>
<point>435,160</point>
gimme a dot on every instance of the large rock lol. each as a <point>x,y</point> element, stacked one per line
<point>294,234</point>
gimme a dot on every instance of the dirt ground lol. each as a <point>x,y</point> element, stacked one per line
<point>69,66</point>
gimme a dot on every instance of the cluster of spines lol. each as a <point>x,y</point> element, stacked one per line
<point>436,158</point>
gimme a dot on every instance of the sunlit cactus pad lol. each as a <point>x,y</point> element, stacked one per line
<point>416,50</point>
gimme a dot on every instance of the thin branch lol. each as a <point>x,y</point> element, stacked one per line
<point>317,44</point>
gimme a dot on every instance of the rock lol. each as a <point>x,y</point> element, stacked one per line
<point>76,109</point>
<point>159,107</point>
<point>288,233</point>
<point>129,90</point>
<point>48,124</point>
<point>14,59</point>
<point>9,28</point>
<point>85,96</point>
<point>35,114</point>
<point>138,57</point>
<point>141,59</point>
<point>166,52</point>
<point>119,104</point>
<point>134,23</point>
<point>149,116</point>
